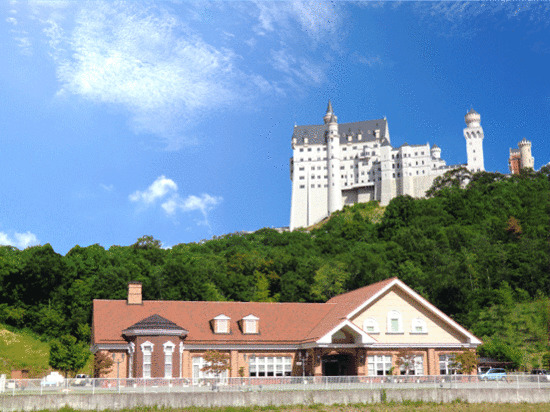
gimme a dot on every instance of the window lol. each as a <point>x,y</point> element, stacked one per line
<point>147,350</point>
<point>198,364</point>
<point>395,323</point>
<point>221,324</point>
<point>370,325</point>
<point>412,365</point>
<point>418,326</point>
<point>250,324</point>
<point>168,351</point>
<point>270,366</point>
<point>447,365</point>
<point>379,365</point>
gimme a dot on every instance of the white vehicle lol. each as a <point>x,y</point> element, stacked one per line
<point>53,379</point>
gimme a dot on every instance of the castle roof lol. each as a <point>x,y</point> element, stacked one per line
<point>316,133</point>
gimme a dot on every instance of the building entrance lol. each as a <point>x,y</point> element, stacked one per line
<point>339,365</point>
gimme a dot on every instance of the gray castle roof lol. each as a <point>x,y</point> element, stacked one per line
<point>316,133</point>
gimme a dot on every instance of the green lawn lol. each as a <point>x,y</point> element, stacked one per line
<point>22,351</point>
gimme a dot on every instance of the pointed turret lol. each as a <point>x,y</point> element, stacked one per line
<point>329,115</point>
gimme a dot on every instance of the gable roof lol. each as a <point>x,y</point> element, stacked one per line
<point>316,133</point>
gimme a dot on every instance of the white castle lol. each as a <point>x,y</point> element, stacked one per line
<point>333,165</point>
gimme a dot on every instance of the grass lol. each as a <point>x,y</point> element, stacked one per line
<point>20,350</point>
<point>381,407</point>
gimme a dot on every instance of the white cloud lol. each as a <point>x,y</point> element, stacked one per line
<point>166,190</point>
<point>158,189</point>
<point>12,20</point>
<point>147,61</point>
<point>317,19</point>
<point>19,240</point>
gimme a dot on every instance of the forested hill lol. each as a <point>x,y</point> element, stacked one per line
<point>464,249</point>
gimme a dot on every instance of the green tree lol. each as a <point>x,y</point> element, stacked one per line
<point>68,355</point>
<point>466,361</point>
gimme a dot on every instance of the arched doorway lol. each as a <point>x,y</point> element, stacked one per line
<point>339,364</point>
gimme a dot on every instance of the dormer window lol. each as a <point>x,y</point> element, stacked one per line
<point>418,325</point>
<point>250,324</point>
<point>221,324</point>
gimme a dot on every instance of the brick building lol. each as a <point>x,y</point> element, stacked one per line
<point>361,332</point>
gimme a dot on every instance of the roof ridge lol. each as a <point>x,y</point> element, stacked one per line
<point>363,287</point>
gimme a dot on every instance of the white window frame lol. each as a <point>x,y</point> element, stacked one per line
<point>379,363</point>
<point>221,324</point>
<point>147,349</point>
<point>169,348</point>
<point>250,324</point>
<point>418,326</point>
<point>418,366</point>
<point>394,315</point>
<point>269,366</point>
<point>198,363</point>
<point>447,364</point>
<point>370,325</point>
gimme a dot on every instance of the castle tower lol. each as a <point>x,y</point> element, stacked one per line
<point>334,192</point>
<point>527,160</point>
<point>435,151</point>
<point>473,133</point>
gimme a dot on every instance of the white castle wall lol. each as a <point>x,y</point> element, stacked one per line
<point>361,165</point>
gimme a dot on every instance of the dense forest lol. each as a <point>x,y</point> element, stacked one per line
<point>479,251</point>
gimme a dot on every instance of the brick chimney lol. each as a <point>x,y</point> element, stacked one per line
<point>134,293</point>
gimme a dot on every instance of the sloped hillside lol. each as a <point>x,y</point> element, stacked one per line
<point>22,351</point>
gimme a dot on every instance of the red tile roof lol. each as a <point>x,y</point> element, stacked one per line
<point>280,323</point>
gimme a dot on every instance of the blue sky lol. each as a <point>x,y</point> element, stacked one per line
<point>174,119</point>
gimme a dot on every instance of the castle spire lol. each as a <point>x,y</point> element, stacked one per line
<point>329,115</point>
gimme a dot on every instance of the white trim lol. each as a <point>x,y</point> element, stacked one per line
<point>154,332</point>
<point>422,345</point>
<point>168,346</point>
<point>473,339</point>
<point>421,323</point>
<point>222,317</point>
<point>251,317</point>
<point>147,343</point>
<point>365,338</point>
<point>109,346</point>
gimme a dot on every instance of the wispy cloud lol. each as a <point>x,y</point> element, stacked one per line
<point>19,240</point>
<point>107,188</point>
<point>167,70</point>
<point>370,61</point>
<point>165,191</point>
<point>147,61</point>
<point>317,19</point>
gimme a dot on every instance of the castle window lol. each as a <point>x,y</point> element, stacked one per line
<point>393,174</point>
<point>301,168</point>
<point>302,177</point>
<point>313,186</point>
<point>302,187</point>
<point>344,149</point>
<point>416,153</point>
<point>309,149</point>
<point>301,149</point>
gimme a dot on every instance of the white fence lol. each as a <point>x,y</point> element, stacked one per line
<point>308,383</point>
